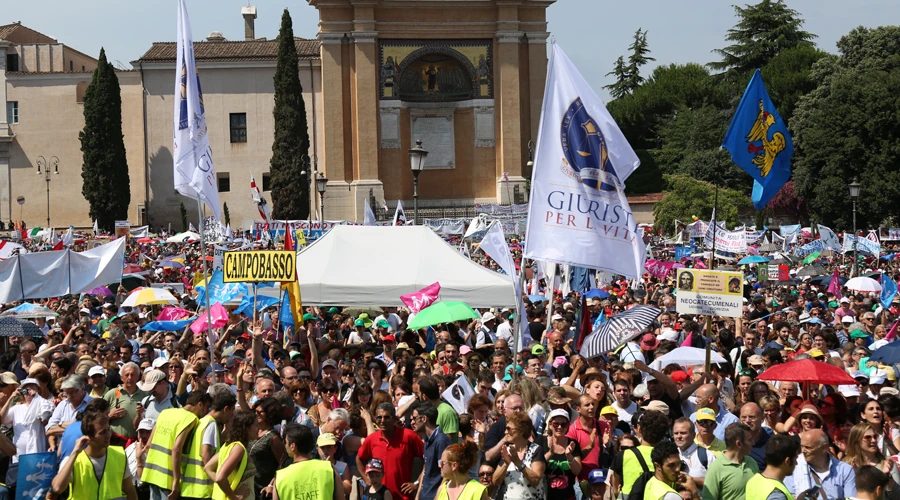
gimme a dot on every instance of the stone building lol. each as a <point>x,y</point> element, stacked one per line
<point>464,77</point>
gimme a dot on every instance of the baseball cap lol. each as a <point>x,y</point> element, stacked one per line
<point>326,439</point>
<point>160,362</point>
<point>657,405</point>
<point>85,310</point>
<point>382,323</point>
<point>558,413</point>
<point>219,368</point>
<point>9,378</point>
<point>375,465</point>
<point>538,350</point>
<point>858,334</point>
<point>706,414</point>
<point>877,377</point>
<point>847,319</point>
<point>29,381</point>
<point>757,360</point>
<point>146,424</point>
<point>387,338</point>
<point>608,410</point>
<point>848,390</point>
<point>844,300</point>
<point>152,378</point>
<point>465,350</point>
<point>96,370</point>
<point>597,476</point>
<point>330,362</point>
<point>679,376</point>
<point>508,376</point>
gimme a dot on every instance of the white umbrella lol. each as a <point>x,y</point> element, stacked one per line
<point>184,237</point>
<point>686,356</point>
<point>863,284</point>
<point>143,296</point>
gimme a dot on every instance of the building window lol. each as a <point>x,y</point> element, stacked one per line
<point>224,182</point>
<point>238,127</point>
<point>267,182</point>
<point>12,62</point>
<point>12,112</point>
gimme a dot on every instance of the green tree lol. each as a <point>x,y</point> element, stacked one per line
<point>226,214</point>
<point>762,32</point>
<point>640,56</point>
<point>787,77</point>
<point>620,87</point>
<point>290,189</point>
<point>104,171</point>
<point>848,128</point>
<point>184,221</point>
<point>686,197</point>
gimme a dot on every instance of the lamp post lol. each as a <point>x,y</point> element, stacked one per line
<point>42,163</point>
<point>321,185</point>
<point>310,174</point>
<point>854,194</point>
<point>416,164</point>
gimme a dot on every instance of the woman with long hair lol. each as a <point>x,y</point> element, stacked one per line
<point>807,417</point>
<point>499,398</point>
<point>456,460</point>
<point>328,391</point>
<point>267,450</point>
<point>533,397</point>
<point>362,395</point>
<point>378,398</point>
<point>833,409</point>
<point>757,390</point>
<point>771,408</point>
<point>873,414</point>
<point>360,426</point>
<point>804,343</point>
<point>230,470</point>
<point>744,382</point>
<point>863,449</point>
<point>377,371</point>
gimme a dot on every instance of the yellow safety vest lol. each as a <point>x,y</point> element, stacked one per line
<point>760,487</point>
<point>234,479</point>
<point>195,483</point>
<point>656,489</point>
<point>302,479</point>
<point>158,466</point>
<point>631,468</point>
<point>85,485</point>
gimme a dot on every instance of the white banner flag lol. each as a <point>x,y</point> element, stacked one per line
<point>495,246</point>
<point>459,394</point>
<point>195,175</point>
<point>578,213</point>
<point>369,216</point>
<point>829,240</point>
<point>399,214</point>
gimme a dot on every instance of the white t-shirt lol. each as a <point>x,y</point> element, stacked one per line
<point>131,458</point>
<point>692,459</point>
<point>625,414</point>
<point>27,422</point>
<point>355,337</point>
<point>504,331</point>
<point>211,436</point>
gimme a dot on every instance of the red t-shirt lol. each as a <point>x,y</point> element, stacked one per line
<point>397,455</point>
<point>583,437</point>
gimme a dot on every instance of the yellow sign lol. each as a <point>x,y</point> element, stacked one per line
<point>259,265</point>
<point>717,293</point>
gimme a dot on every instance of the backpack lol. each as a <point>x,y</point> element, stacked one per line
<point>640,484</point>
<point>704,458</point>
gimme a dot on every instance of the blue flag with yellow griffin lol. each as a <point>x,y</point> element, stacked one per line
<point>759,142</point>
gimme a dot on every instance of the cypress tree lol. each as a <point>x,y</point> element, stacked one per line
<point>184,221</point>
<point>290,189</point>
<point>640,51</point>
<point>104,171</point>
<point>226,214</point>
<point>620,87</point>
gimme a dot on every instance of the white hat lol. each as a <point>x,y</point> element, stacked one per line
<point>96,370</point>
<point>488,316</point>
<point>85,310</point>
<point>160,362</point>
<point>668,334</point>
<point>805,317</point>
<point>559,412</point>
<point>877,377</point>
<point>848,390</point>
<point>844,300</point>
<point>556,317</point>
<point>847,319</point>
<point>152,378</point>
<point>30,380</point>
<point>888,390</point>
<point>146,424</point>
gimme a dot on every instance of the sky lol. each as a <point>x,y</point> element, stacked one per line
<point>592,32</point>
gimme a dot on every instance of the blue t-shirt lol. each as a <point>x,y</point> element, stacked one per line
<point>69,437</point>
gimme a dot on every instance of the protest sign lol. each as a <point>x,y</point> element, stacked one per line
<point>212,229</point>
<point>727,241</point>
<point>865,245</point>
<point>709,292</point>
<point>123,228</point>
<point>773,272</point>
<point>218,258</point>
<point>260,265</point>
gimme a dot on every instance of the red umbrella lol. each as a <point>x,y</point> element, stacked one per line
<point>132,268</point>
<point>145,240</point>
<point>808,370</point>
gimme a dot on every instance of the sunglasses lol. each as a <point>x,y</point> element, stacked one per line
<point>382,418</point>
<point>485,474</point>
<point>706,423</point>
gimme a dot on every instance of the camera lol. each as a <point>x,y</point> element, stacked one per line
<point>23,391</point>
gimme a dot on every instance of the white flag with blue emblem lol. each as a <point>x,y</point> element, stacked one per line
<point>578,213</point>
<point>195,175</point>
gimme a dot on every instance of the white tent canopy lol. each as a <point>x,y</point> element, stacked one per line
<point>375,265</point>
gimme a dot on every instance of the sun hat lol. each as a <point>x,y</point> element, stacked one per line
<point>538,350</point>
<point>367,322</point>
<point>507,372</point>
<point>649,342</point>
<point>488,316</point>
<point>706,414</point>
<point>657,405</point>
<point>609,410</point>
<point>96,370</point>
<point>152,378</point>
<point>326,439</point>
<point>558,413</point>
<point>810,409</point>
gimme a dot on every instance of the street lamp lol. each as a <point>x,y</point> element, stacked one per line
<point>854,194</point>
<point>416,164</point>
<point>305,161</point>
<point>42,163</point>
<point>530,164</point>
<point>321,185</point>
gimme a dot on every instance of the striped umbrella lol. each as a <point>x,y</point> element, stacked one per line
<point>621,328</point>
<point>150,296</point>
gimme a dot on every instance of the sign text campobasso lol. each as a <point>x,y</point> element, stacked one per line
<point>260,265</point>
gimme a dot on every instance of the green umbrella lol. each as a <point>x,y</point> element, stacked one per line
<point>442,312</point>
<point>812,257</point>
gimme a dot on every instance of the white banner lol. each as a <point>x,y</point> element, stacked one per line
<point>140,231</point>
<point>578,213</point>
<point>446,226</point>
<point>50,274</point>
<point>892,234</point>
<point>698,229</point>
<point>459,394</point>
<point>218,258</point>
<point>865,245</point>
<point>213,230</point>
<point>727,241</point>
<point>829,240</point>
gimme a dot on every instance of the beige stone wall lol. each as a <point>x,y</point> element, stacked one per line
<point>49,122</point>
<point>246,88</point>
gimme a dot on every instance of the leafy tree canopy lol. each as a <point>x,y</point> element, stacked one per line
<point>687,197</point>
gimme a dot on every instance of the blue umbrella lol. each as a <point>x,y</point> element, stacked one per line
<point>826,280</point>
<point>888,354</point>
<point>753,259</point>
<point>536,298</point>
<point>168,326</point>
<point>596,293</point>
<point>14,327</point>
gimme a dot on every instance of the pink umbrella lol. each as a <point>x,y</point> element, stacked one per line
<point>172,313</point>
<point>100,290</point>
<point>219,318</point>
<point>678,265</point>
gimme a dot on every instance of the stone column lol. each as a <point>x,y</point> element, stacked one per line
<point>509,113</point>
<point>365,117</point>
<point>333,160</point>
<point>5,140</point>
<point>537,77</point>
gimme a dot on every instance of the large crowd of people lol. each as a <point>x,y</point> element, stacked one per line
<point>351,404</point>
